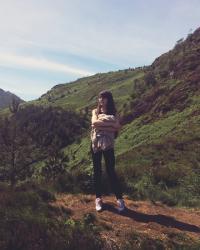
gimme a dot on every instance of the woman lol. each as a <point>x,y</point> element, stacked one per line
<point>103,133</point>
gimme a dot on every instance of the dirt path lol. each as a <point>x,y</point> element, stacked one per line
<point>158,221</point>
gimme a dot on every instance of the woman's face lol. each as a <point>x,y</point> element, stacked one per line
<point>103,101</point>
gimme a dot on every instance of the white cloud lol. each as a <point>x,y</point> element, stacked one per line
<point>95,29</point>
<point>16,61</point>
<point>119,32</point>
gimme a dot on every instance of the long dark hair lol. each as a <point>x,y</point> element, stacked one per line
<point>110,107</point>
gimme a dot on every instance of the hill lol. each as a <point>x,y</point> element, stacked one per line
<point>6,98</point>
<point>157,151</point>
<point>157,160</point>
<point>170,83</point>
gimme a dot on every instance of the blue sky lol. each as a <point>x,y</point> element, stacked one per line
<point>46,42</point>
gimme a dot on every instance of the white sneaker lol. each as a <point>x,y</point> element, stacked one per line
<point>99,204</point>
<point>120,204</point>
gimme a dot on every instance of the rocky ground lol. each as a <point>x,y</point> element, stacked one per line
<point>154,220</point>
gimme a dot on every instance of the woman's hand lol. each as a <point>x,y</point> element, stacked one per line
<point>117,125</point>
<point>96,123</point>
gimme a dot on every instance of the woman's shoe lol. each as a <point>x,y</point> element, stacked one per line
<point>121,206</point>
<point>99,204</point>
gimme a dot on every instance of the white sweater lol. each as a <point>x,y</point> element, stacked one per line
<point>102,139</point>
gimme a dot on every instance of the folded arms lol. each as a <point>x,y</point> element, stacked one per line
<point>108,125</point>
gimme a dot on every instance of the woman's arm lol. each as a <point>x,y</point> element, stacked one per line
<point>114,124</point>
<point>97,122</point>
<point>117,124</point>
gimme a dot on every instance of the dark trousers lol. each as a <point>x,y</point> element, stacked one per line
<point>110,169</point>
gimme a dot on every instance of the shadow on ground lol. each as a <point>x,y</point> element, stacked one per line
<point>161,219</point>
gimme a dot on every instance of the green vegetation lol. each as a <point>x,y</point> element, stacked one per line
<point>35,134</point>
<point>179,241</point>
<point>29,221</point>
<point>159,160</point>
<point>157,150</point>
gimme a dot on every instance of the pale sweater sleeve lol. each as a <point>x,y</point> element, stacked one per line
<point>104,117</point>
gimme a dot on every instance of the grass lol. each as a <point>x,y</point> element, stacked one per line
<point>68,96</point>
<point>166,149</point>
<point>174,241</point>
<point>28,221</point>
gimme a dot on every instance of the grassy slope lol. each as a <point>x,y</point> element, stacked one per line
<point>163,130</point>
<point>82,93</point>
<point>151,142</point>
<point>166,143</point>
<point>173,140</point>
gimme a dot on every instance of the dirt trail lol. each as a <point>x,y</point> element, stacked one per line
<point>156,220</point>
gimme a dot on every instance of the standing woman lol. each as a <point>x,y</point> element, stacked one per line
<point>103,134</point>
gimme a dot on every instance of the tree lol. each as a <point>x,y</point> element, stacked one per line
<point>55,165</point>
<point>150,79</point>
<point>16,154</point>
<point>28,136</point>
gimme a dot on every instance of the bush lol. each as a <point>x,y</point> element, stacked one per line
<point>29,222</point>
<point>74,181</point>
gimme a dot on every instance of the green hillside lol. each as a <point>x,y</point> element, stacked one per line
<point>82,93</point>
<point>157,150</point>
<point>45,156</point>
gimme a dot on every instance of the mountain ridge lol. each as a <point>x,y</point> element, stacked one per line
<point>137,90</point>
<point>6,98</point>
